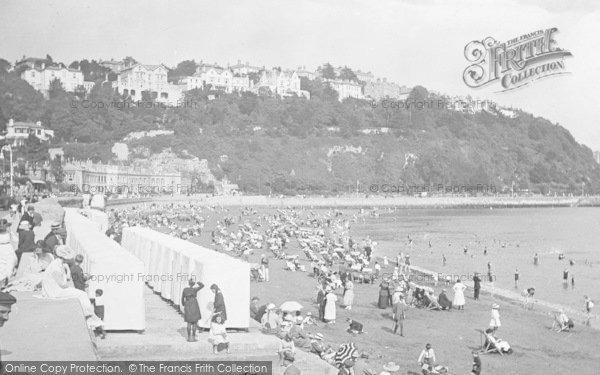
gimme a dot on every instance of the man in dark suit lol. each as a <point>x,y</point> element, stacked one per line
<point>476,286</point>
<point>28,216</point>
<point>53,238</point>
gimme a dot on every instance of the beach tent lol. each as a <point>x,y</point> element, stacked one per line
<point>170,262</point>
<point>113,270</point>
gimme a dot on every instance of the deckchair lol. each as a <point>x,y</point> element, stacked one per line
<point>487,343</point>
<point>558,325</point>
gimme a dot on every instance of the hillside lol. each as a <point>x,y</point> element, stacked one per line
<point>299,146</point>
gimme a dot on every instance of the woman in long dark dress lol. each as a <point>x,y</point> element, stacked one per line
<point>191,310</point>
<point>219,304</point>
<point>384,295</point>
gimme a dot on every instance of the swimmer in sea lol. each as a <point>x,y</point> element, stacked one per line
<point>536,259</point>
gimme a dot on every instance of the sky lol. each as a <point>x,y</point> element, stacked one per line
<point>409,42</point>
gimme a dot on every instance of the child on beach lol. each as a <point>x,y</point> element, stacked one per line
<point>99,311</point>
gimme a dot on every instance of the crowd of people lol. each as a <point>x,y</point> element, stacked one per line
<point>337,263</point>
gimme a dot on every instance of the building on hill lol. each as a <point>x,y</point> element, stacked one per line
<point>345,89</point>
<point>39,75</point>
<point>87,176</point>
<point>139,78</point>
<point>382,89</point>
<point>303,72</point>
<point>244,69</point>
<point>364,77</point>
<point>17,132</point>
<point>281,83</point>
<point>224,187</point>
<point>116,66</point>
<point>217,78</point>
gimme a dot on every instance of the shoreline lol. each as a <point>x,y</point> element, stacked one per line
<point>377,201</point>
<point>540,306</point>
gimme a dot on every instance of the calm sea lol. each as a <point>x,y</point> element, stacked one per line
<point>511,236</point>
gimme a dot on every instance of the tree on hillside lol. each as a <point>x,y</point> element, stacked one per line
<point>34,151</point>
<point>183,69</point>
<point>318,89</point>
<point>55,89</point>
<point>254,77</point>
<point>4,66</point>
<point>348,74</point>
<point>49,59</point>
<point>57,169</point>
<point>327,71</point>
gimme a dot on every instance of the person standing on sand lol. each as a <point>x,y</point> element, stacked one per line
<point>264,267</point>
<point>399,315</point>
<point>330,308</point>
<point>459,295</point>
<point>565,276</point>
<point>476,286</point>
<point>348,295</point>
<point>516,278</point>
<point>536,259</point>
<point>191,310</point>
<point>589,304</point>
<point>495,321</point>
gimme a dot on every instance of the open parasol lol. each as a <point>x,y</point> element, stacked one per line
<point>290,306</point>
<point>344,352</point>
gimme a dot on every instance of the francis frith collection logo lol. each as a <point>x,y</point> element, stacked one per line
<point>514,63</point>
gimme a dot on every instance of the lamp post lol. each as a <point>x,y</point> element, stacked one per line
<point>9,149</point>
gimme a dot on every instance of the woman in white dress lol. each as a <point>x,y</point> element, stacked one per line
<point>459,295</point>
<point>8,257</point>
<point>495,321</point>
<point>330,313</point>
<point>348,295</point>
<point>55,284</point>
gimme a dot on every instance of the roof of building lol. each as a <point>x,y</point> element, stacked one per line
<point>27,124</point>
<point>56,68</point>
<point>145,66</point>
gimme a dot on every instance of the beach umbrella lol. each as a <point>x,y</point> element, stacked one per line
<point>344,352</point>
<point>290,306</point>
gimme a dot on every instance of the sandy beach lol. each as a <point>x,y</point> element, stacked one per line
<point>537,349</point>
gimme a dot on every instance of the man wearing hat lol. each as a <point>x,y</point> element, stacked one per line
<point>6,302</point>
<point>28,216</point>
<point>399,315</point>
<point>26,239</point>
<point>288,362</point>
<point>53,238</point>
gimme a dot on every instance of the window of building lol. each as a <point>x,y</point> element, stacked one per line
<point>132,92</point>
<point>164,95</point>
